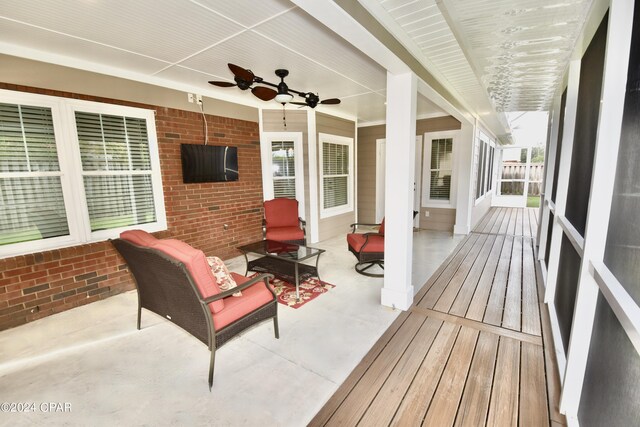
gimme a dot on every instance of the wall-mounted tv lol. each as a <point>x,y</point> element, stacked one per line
<point>209,163</point>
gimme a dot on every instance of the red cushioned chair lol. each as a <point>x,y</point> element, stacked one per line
<point>175,281</point>
<point>368,248</point>
<point>281,221</point>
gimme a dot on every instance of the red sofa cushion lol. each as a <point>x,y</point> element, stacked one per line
<point>356,240</point>
<point>285,233</point>
<point>381,229</point>
<point>253,297</point>
<point>197,265</point>
<point>138,237</point>
<point>281,212</point>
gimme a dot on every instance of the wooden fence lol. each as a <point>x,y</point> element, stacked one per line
<point>517,171</point>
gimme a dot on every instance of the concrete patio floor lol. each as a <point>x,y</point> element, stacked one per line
<point>93,358</point>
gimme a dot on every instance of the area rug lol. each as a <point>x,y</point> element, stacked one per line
<point>309,289</point>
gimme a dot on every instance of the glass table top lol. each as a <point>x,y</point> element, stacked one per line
<point>290,251</point>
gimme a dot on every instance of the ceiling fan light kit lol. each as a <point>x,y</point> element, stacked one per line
<point>245,79</point>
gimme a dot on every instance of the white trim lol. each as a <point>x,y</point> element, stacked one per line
<point>67,146</point>
<point>577,241</point>
<point>380,178</point>
<point>268,193</point>
<point>605,163</point>
<point>426,201</point>
<point>418,173</point>
<point>558,346</point>
<point>313,177</point>
<point>349,207</point>
<point>623,305</point>
<point>564,167</point>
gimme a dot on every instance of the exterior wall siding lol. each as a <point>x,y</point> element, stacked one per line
<point>439,219</point>
<point>338,224</point>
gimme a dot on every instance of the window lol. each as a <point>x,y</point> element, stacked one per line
<point>484,165</point>
<point>282,164</point>
<point>283,169</point>
<point>437,189</point>
<point>73,172</point>
<point>336,175</point>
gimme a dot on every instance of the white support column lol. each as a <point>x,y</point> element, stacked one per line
<point>465,191</point>
<point>402,92</point>
<point>563,178</point>
<point>602,182</point>
<point>551,154</point>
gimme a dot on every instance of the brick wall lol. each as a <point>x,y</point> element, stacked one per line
<point>40,284</point>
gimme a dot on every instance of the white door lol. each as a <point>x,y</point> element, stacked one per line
<point>282,167</point>
<point>513,177</point>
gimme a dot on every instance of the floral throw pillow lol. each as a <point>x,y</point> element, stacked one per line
<point>222,275</point>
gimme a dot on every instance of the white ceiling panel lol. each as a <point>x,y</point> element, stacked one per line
<point>28,37</point>
<point>247,12</point>
<point>164,29</point>
<point>324,47</point>
<point>263,57</point>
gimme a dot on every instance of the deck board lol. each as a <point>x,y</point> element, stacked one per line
<point>475,400</point>
<point>472,351</point>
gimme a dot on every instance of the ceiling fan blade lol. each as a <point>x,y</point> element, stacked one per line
<point>304,104</point>
<point>244,74</point>
<point>264,93</point>
<point>330,101</point>
<point>222,84</point>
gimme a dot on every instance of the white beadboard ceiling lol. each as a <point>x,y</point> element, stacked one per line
<point>504,54</point>
<point>511,52</point>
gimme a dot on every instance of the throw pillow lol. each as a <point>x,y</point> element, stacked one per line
<point>222,275</point>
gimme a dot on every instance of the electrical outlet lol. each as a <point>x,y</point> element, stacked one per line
<point>199,99</point>
<point>190,97</point>
<point>426,214</point>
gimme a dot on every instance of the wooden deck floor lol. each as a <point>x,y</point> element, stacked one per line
<point>470,351</point>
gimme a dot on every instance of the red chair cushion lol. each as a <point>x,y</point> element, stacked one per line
<point>253,297</point>
<point>197,265</point>
<point>356,240</point>
<point>281,212</point>
<point>138,237</point>
<point>285,233</point>
<point>381,229</point>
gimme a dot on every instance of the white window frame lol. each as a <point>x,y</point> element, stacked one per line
<point>268,138</point>
<point>342,140</point>
<point>487,188</point>
<point>427,201</point>
<point>68,149</point>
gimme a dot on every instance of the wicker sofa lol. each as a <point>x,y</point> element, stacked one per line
<point>175,281</point>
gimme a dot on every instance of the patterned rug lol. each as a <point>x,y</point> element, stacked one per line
<point>309,290</point>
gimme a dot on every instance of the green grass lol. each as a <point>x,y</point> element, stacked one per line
<point>533,201</point>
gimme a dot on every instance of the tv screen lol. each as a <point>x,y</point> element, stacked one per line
<point>209,163</point>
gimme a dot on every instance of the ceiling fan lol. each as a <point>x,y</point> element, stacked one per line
<point>245,79</point>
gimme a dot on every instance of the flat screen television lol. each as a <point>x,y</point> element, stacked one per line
<point>208,163</point>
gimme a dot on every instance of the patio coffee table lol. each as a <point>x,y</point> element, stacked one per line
<point>283,260</point>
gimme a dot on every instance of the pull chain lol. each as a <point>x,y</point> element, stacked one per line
<point>284,117</point>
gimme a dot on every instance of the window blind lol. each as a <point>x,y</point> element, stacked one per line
<point>116,167</point>
<point>335,171</point>
<point>31,200</point>
<point>441,168</point>
<point>283,169</point>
